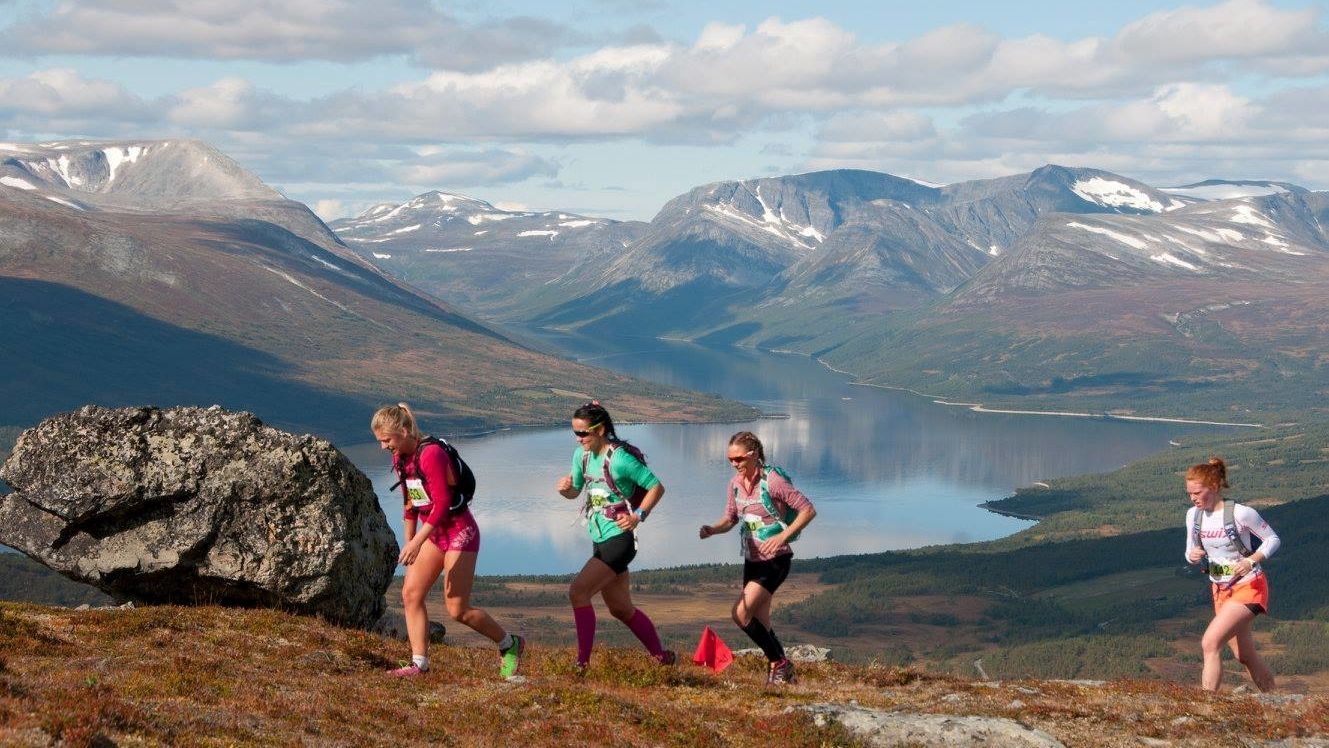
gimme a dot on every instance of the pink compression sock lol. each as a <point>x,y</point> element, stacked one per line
<point>585,620</point>
<point>644,630</point>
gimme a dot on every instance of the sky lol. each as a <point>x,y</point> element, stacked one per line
<point>612,107</point>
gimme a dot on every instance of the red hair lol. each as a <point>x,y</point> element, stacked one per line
<point>1212,473</point>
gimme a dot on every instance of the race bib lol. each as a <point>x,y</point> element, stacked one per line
<point>415,492</point>
<point>599,498</point>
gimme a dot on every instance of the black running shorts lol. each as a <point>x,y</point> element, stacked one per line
<point>769,574</point>
<point>617,552</point>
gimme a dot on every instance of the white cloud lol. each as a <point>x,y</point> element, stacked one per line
<point>65,92</point>
<point>1236,29</point>
<point>455,168</point>
<point>331,210</point>
<point>281,31</point>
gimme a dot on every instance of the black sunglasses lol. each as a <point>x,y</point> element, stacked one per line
<point>581,434</point>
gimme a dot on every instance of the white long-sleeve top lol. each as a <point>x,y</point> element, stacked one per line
<point>1222,552</point>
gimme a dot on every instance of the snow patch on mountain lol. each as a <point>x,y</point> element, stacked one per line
<point>480,218</point>
<point>15,182</point>
<point>1226,191</point>
<point>1248,214</point>
<point>1129,241</point>
<point>117,156</point>
<point>64,202</point>
<point>451,249</point>
<point>550,234</point>
<point>405,230</point>
<point>578,224</point>
<point>1114,194</point>
<point>1167,258</point>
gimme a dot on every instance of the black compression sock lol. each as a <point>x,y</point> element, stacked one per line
<point>764,638</point>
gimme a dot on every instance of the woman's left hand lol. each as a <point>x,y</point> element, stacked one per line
<point>627,521</point>
<point>1243,567</point>
<point>771,545</point>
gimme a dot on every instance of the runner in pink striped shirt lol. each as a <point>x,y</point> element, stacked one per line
<point>771,512</point>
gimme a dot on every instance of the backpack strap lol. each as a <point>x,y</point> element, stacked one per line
<point>1230,527</point>
<point>609,474</point>
<point>1195,528</point>
<point>400,467</point>
<point>784,518</point>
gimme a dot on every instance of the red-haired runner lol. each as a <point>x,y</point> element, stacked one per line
<point>1221,530</point>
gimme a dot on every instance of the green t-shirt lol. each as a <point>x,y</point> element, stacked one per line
<point>628,472</point>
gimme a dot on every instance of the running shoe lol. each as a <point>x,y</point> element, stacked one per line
<point>409,671</point>
<point>667,657</point>
<point>782,673</point>
<point>510,658</point>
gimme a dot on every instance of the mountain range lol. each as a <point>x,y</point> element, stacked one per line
<point>162,272</point>
<point>1059,283</point>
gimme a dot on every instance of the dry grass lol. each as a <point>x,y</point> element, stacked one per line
<point>212,676</point>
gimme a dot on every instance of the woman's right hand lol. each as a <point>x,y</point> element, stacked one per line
<point>705,532</point>
<point>408,553</point>
<point>1195,554</point>
<point>564,484</point>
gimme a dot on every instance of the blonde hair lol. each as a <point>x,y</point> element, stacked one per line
<point>1212,473</point>
<point>396,418</point>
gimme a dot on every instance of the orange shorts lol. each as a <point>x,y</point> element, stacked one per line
<point>1254,592</point>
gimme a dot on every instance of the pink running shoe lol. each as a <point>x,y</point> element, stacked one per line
<point>410,671</point>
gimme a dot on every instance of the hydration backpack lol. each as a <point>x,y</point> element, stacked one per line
<point>638,493</point>
<point>1229,528</point>
<point>462,493</point>
<point>789,514</point>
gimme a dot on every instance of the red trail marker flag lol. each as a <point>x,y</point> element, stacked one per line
<point>712,652</point>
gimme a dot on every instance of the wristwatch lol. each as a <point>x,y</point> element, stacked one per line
<point>641,514</point>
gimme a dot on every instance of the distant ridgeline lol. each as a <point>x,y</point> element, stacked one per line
<point>1061,287</point>
<point>257,305</point>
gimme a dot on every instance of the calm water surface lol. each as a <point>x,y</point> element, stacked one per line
<point>887,470</point>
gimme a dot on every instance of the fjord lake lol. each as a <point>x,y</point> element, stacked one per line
<point>887,470</point>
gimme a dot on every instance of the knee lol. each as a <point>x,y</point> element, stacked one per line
<point>623,614</point>
<point>457,610</point>
<point>412,597</point>
<point>578,596</point>
<point>1244,655</point>
<point>739,614</point>
<point>1211,645</point>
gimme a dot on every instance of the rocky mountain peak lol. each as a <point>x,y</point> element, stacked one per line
<point>153,173</point>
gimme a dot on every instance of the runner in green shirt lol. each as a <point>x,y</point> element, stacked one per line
<point>618,500</point>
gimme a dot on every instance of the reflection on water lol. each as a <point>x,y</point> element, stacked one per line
<point>887,470</point>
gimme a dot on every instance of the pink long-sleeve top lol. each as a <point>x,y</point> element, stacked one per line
<point>438,474</point>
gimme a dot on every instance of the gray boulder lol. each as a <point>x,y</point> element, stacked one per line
<point>199,506</point>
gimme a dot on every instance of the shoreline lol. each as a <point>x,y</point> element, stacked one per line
<point>981,408</point>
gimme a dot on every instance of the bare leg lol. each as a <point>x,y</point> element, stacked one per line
<point>754,603</point>
<point>618,597</point>
<point>420,576</point>
<point>1229,620</point>
<point>458,579</point>
<point>592,578</point>
<point>1243,648</point>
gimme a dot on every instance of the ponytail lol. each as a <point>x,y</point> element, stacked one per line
<point>1212,473</point>
<point>396,418</point>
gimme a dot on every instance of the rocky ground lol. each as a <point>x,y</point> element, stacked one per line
<point>215,676</point>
